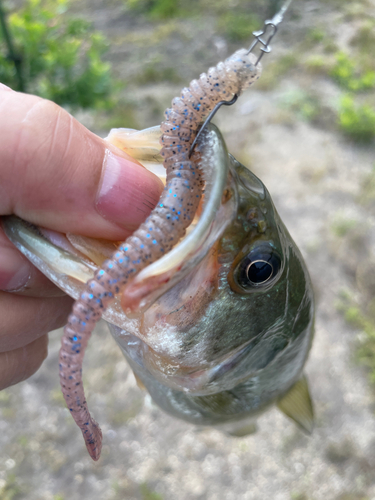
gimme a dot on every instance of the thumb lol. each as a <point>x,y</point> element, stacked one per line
<point>57,174</point>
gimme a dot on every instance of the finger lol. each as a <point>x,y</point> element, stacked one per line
<point>24,319</point>
<point>19,276</point>
<point>20,364</point>
<point>5,88</point>
<point>56,173</point>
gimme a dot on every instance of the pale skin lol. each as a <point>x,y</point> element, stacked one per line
<point>52,170</point>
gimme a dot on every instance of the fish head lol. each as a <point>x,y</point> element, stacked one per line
<point>244,306</point>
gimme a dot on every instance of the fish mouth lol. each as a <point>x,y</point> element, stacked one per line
<point>71,260</point>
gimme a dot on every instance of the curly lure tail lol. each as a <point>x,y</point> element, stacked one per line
<point>158,234</point>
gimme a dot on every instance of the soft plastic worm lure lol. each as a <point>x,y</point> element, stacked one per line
<point>163,228</point>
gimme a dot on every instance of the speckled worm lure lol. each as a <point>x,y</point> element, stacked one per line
<point>163,228</point>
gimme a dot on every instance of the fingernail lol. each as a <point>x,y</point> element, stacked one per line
<point>14,270</point>
<point>4,87</point>
<point>127,193</point>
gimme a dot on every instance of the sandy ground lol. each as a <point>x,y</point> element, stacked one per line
<point>315,176</point>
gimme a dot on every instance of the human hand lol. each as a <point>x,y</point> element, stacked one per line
<point>57,174</point>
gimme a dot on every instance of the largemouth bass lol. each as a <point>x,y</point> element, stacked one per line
<point>221,329</point>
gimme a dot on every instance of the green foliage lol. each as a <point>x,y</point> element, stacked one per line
<point>349,76</point>
<point>61,56</point>
<point>357,121</point>
<point>356,74</point>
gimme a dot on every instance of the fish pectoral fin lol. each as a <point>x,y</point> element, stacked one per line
<point>140,384</point>
<point>297,405</point>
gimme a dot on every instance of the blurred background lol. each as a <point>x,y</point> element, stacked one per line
<point>307,129</point>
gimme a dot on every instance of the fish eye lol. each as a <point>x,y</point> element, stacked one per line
<point>259,267</point>
<point>259,271</point>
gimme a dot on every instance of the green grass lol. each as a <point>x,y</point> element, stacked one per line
<point>350,76</point>
<point>354,73</point>
<point>357,121</point>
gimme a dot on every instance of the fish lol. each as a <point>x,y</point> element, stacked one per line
<point>220,331</point>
